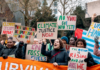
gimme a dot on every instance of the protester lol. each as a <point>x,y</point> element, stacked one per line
<point>81,43</point>
<point>36,41</point>
<point>20,50</point>
<point>64,40</point>
<point>58,56</point>
<point>96,47</point>
<point>10,49</point>
<point>72,40</point>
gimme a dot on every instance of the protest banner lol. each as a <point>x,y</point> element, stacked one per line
<point>77,56</point>
<point>24,34</point>
<point>66,22</point>
<point>8,28</point>
<point>91,8</point>
<point>94,30</point>
<point>19,64</point>
<point>47,30</point>
<point>34,51</point>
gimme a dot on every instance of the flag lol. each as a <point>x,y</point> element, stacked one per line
<point>79,33</point>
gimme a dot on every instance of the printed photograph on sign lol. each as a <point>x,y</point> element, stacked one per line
<point>47,30</point>
<point>66,22</point>
<point>23,33</point>
<point>94,30</point>
<point>34,52</point>
<point>77,56</point>
<point>8,28</point>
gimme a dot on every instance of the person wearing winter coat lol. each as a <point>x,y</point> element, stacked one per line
<point>10,49</point>
<point>58,56</point>
<point>81,43</point>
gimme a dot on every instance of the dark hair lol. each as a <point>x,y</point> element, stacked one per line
<point>61,43</point>
<point>10,38</point>
<point>82,40</point>
<point>74,38</point>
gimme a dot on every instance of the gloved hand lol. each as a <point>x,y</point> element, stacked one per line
<point>86,60</point>
<point>5,56</point>
<point>96,41</point>
<point>69,58</point>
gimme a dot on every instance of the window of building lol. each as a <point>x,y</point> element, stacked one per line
<point>55,11</point>
<point>55,3</point>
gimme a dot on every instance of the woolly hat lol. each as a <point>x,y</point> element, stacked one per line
<point>65,38</point>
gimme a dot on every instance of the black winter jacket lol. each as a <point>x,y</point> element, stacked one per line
<point>61,58</point>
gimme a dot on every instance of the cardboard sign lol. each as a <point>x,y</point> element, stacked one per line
<point>8,28</point>
<point>23,33</point>
<point>66,22</point>
<point>77,56</point>
<point>47,30</point>
<point>91,8</point>
<point>94,30</point>
<point>4,36</point>
<point>34,51</point>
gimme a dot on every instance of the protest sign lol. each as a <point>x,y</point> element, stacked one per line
<point>19,64</point>
<point>67,46</point>
<point>91,8</point>
<point>77,56</point>
<point>94,30</point>
<point>66,22</point>
<point>4,37</point>
<point>34,51</point>
<point>8,28</point>
<point>24,34</point>
<point>47,30</point>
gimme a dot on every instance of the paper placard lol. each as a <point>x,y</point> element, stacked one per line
<point>94,30</point>
<point>77,56</point>
<point>34,51</point>
<point>47,30</point>
<point>66,22</point>
<point>8,28</point>
<point>91,8</point>
<point>23,33</point>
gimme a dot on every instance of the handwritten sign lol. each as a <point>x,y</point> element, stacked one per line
<point>23,33</point>
<point>3,37</point>
<point>34,51</point>
<point>47,30</point>
<point>8,28</point>
<point>94,30</point>
<point>77,56</point>
<point>67,46</point>
<point>66,22</point>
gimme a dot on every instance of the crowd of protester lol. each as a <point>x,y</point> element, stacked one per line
<point>55,52</point>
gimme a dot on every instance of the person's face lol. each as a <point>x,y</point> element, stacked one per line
<point>10,43</point>
<point>40,41</point>
<point>72,41</point>
<point>80,44</point>
<point>56,44</point>
<point>35,41</point>
<point>64,42</point>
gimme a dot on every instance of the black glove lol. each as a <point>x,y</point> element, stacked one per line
<point>96,41</point>
<point>86,60</point>
<point>5,56</point>
<point>69,58</point>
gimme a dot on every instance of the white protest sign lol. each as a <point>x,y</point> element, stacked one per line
<point>66,22</point>
<point>34,52</point>
<point>94,30</point>
<point>77,56</point>
<point>92,7</point>
<point>47,30</point>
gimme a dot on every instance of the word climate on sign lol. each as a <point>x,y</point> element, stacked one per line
<point>66,22</point>
<point>94,30</point>
<point>47,30</point>
<point>34,51</point>
<point>77,56</point>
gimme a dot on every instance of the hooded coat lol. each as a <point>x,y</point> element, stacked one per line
<point>61,58</point>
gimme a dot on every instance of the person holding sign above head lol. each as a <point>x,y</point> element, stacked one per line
<point>58,56</point>
<point>81,43</point>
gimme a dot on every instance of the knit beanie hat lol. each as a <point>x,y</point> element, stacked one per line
<point>65,38</point>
